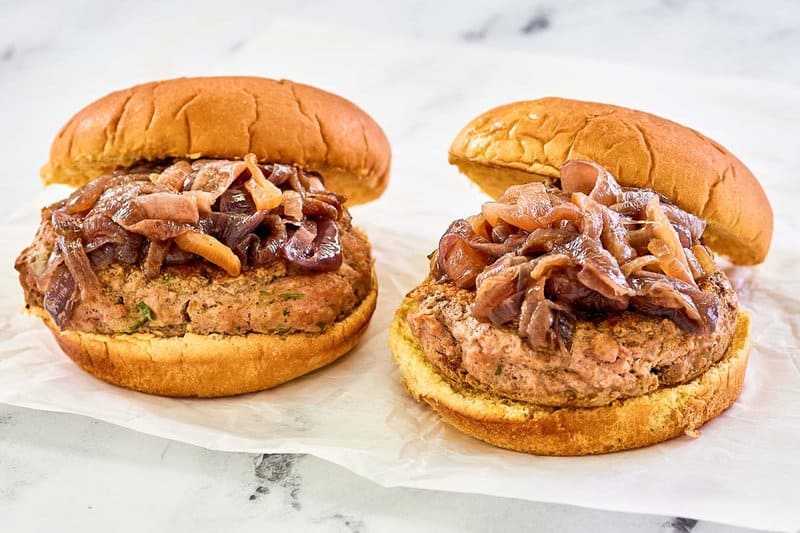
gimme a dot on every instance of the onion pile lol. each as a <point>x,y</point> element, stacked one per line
<point>538,256</point>
<point>235,215</point>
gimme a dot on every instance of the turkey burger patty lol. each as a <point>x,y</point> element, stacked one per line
<point>199,298</point>
<point>611,357</point>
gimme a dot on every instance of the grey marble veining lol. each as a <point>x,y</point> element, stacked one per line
<point>716,37</point>
<point>84,475</point>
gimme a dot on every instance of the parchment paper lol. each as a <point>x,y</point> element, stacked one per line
<point>743,470</point>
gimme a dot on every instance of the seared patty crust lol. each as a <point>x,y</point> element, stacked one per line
<point>198,298</point>
<point>616,356</point>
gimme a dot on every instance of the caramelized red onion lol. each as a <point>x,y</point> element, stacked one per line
<point>235,200</point>
<point>79,266</point>
<point>134,217</point>
<point>691,309</point>
<point>84,198</point>
<point>154,258</point>
<point>174,175</point>
<point>537,257</point>
<point>315,246</point>
<point>458,259</point>
<point>267,250</point>
<point>61,295</point>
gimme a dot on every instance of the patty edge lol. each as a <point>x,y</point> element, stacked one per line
<point>624,424</point>
<point>213,365</point>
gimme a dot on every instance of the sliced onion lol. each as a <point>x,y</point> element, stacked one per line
<point>265,197</point>
<point>496,286</point>
<point>579,175</point>
<point>211,250</point>
<point>174,176</point>
<point>158,230</point>
<point>84,198</point>
<point>546,263</point>
<point>660,295</point>
<point>234,227</point>
<point>521,206</point>
<point>547,329</point>
<point>460,261</point>
<point>269,249</point>
<point>176,256</point>
<point>154,258</point>
<point>168,206</point>
<point>640,263</point>
<point>294,181</point>
<point>313,206</point>
<point>599,270</point>
<point>293,205</point>
<point>79,266</point>
<point>214,177</point>
<point>607,226</point>
<point>662,228</point>
<point>545,239</point>
<point>280,174</point>
<point>61,295</point>
<point>582,247</point>
<point>694,225</point>
<point>479,226</point>
<point>565,286</point>
<point>66,224</point>
<point>204,200</point>
<point>668,263</point>
<point>705,258</point>
<point>53,262</point>
<point>234,200</point>
<point>694,264</point>
<point>591,179</point>
<point>265,194</point>
<point>315,246</point>
<point>315,185</point>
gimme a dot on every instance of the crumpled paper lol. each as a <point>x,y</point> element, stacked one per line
<point>744,469</point>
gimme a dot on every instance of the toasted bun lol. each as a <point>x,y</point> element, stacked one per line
<point>524,427</point>
<point>529,141</point>
<point>225,118</point>
<point>208,366</point>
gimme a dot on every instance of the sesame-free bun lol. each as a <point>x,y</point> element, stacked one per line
<point>225,118</point>
<point>525,427</point>
<point>529,141</point>
<point>207,366</point>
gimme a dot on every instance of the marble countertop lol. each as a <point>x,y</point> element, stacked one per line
<point>83,475</point>
<point>76,474</point>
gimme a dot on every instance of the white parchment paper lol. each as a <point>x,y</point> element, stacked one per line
<point>743,470</point>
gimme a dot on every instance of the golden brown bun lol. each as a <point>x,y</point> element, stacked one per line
<point>524,427</point>
<point>208,366</point>
<point>225,118</point>
<point>528,141</point>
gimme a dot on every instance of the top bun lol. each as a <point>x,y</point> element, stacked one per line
<point>529,141</point>
<point>225,118</point>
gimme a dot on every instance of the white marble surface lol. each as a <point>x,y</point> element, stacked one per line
<point>68,473</point>
<point>77,474</point>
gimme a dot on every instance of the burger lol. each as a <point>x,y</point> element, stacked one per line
<point>208,250</point>
<point>582,311</point>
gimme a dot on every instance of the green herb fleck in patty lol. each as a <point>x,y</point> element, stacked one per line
<point>292,295</point>
<point>145,315</point>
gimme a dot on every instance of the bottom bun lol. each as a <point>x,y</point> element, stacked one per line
<point>207,366</point>
<point>622,425</point>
